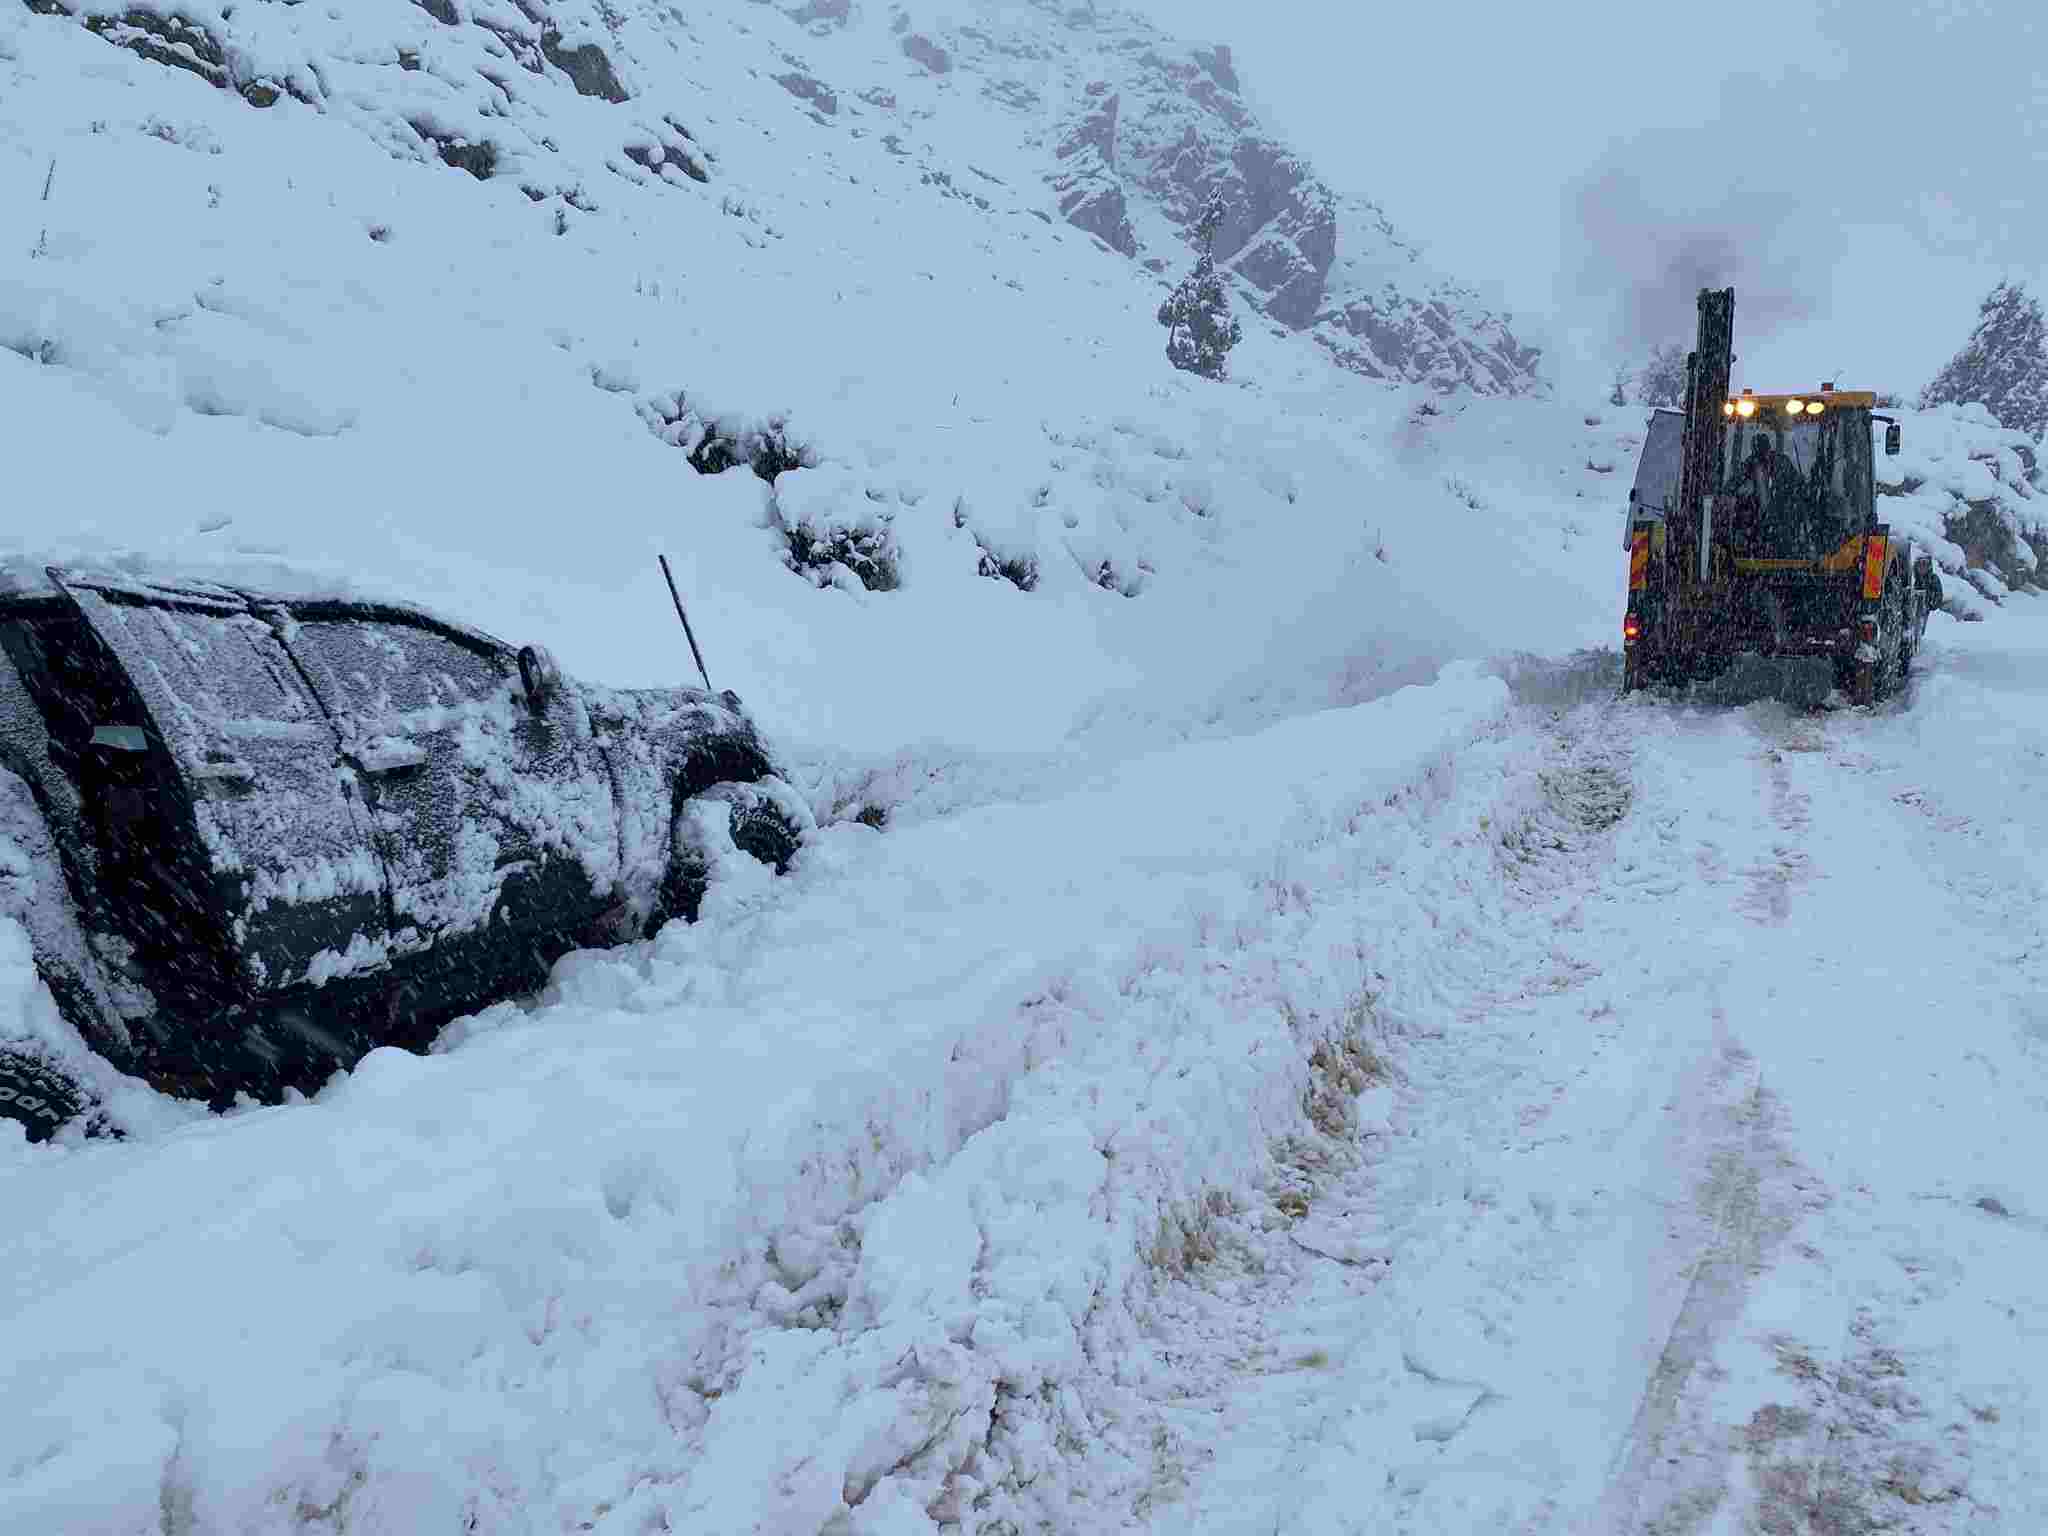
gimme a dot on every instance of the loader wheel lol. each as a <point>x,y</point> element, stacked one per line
<point>1921,603</point>
<point>1891,641</point>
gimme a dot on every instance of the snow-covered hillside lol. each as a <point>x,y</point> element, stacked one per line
<point>487,394</point>
<point>1013,110</point>
<point>1248,1081</point>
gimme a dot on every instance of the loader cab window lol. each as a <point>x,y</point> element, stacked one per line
<point>1796,487</point>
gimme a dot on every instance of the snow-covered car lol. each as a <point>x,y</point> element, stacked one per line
<point>253,837</point>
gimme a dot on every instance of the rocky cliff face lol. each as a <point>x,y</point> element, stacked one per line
<point>1147,127</point>
<point>1094,117</point>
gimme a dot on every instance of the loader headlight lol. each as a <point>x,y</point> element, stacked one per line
<point>1745,407</point>
<point>1814,407</point>
<point>1727,408</point>
<point>1794,407</point>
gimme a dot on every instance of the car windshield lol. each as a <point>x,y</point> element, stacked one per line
<point>1793,485</point>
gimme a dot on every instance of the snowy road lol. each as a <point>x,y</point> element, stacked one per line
<point>1718,1206</point>
<point>1541,1115</point>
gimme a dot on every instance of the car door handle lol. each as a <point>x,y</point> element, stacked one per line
<point>389,754</point>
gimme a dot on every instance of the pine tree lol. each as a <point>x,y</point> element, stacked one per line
<point>2005,364</point>
<point>1661,381</point>
<point>1200,329</point>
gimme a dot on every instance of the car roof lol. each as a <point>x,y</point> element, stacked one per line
<point>206,596</point>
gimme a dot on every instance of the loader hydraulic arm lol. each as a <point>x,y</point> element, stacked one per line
<point>1707,374</point>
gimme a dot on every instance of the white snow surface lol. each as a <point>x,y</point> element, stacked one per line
<point>1299,1056</point>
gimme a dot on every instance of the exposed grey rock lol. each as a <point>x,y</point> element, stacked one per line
<point>1091,194</point>
<point>1168,129</point>
<point>820,16</point>
<point>920,49</point>
<point>808,88</point>
<point>1217,62</point>
<point>1102,212</point>
<point>662,157</point>
<point>587,65</point>
<point>1014,94</point>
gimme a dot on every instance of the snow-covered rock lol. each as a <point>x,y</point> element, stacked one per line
<point>1973,492</point>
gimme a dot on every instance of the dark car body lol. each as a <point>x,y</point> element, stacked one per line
<point>270,833</point>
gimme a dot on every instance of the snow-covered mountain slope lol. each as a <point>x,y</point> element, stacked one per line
<point>1011,110</point>
<point>289,342</point>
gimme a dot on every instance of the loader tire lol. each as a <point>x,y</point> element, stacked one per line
<point>1892,653</point>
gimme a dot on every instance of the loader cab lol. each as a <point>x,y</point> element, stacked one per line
<point>1796,474</point>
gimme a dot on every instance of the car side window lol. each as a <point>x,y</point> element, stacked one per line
<point>225,672</point>
<point>380,668</point>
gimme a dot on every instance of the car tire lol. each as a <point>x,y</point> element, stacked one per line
<point>761,826</point>
<point>43,1097</point>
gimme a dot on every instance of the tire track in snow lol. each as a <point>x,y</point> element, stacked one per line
<point>1738,1219</point>
<point>1841,1402</point>
<point>1733,1199</point>
<point>1298,1310</point>
<point>1417,1309</point>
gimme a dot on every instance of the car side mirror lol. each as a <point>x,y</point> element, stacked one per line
<point>1891,440</point>
<point>539,676</point>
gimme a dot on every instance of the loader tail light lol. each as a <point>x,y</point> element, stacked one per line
<point>1638,560</point>
<point>1631,630</point>
<point>1866,631</point>
<point>1874,547</point>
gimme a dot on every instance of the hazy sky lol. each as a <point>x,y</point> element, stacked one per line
<point>1860,173</point>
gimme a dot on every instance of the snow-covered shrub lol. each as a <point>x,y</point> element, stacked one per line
<point>1972,493</point>
<point>998,557</point>
<point>1661,380</point>
<point>713,444</point>
<point>1462,491</point>
<point>479,157</point>
<point>1198,494</point>
<point>1020,571</point>
<point>838,534</point>
<point>1125,583</point>
<point>1200,329</point>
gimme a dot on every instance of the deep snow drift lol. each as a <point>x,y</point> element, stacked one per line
<point>1231,1073</point>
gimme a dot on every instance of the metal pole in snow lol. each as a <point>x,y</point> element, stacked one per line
<point>688,634</point>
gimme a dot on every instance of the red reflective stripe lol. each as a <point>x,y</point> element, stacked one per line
<point>1873,566</point>
<point>1639,562</point>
